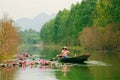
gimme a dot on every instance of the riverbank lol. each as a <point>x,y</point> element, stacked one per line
<point>78,48</point>
<point>60,47</point>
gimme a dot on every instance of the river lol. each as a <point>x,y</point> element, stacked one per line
<point>100,66</point>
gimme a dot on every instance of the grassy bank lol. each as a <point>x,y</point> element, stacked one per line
<point>69,47</point>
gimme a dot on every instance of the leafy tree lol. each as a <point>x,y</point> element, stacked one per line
<point>54,31</point>
<point>9,39</point>
<point>107,11</point>
<point>46,33</point>
<point>91,23</point>
<point>80,16</point>
<point>30,36</point>
<point>60,30</point>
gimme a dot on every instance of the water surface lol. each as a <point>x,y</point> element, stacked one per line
<point>100,66</point>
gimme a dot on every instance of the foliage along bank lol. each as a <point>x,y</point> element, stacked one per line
<point>9,39</point>
<point>30,41</point>
<point>94,24</point>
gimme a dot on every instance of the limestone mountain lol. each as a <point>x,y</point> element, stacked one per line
<point>36,23</point>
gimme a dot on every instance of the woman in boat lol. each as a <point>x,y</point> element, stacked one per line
<point>65,52</point>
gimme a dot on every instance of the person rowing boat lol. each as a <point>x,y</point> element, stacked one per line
<point>65,52</point>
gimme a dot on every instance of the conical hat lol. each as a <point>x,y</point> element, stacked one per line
<point>65,47</point>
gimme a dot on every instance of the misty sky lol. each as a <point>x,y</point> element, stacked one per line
<point>30,8</point>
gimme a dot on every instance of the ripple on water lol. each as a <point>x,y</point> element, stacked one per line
<point>97,63</point>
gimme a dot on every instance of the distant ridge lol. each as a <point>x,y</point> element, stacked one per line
<point>36,23</point>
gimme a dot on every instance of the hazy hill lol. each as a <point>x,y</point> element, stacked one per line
<point>36,23</point>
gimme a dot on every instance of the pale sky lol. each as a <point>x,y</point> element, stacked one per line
<point>17,9</point>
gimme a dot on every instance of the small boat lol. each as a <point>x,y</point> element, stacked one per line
<point>77,59</point>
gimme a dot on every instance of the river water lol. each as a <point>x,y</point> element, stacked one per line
<point>100,66</point>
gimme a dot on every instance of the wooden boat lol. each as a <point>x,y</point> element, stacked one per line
<point>77,59</point>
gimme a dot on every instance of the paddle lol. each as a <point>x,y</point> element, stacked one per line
<point>54,58</point>
<point>73,55</point>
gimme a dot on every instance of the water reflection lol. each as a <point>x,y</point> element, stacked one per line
<point>64,70</point>
<point>58,71</point>
<point>100,66</point>
<point>74,72</point>
<point>35,73</point>
<point>7,73</point>
<point>108,68</point>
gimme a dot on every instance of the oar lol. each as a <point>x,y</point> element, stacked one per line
<point>59,56</point>
<point>74,55</point>
<point>54,58</point>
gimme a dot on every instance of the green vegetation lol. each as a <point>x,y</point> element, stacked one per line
<point>30,36</point>
<point>92,24</point>
<point>30,41</point>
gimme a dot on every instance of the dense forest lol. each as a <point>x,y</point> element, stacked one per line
<point>29,36</point>
<point>92,24</point>
<point>30,41</point>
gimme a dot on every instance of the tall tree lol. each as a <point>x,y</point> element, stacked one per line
<point>107,11</point>
<point>80,16</point>
<point>9,38</point>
